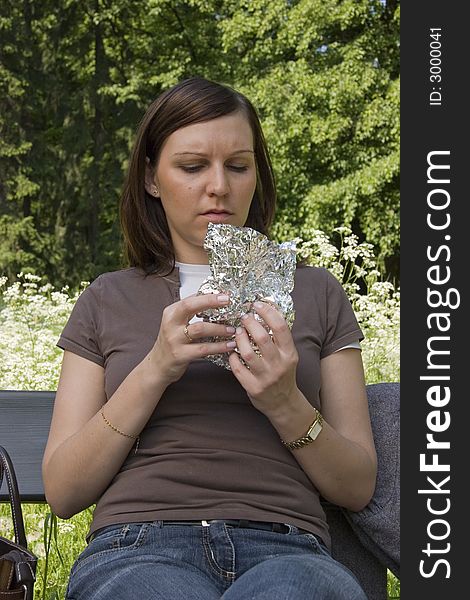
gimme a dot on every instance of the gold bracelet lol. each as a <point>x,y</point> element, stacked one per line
<point>311,435</point>
<point>134,437</point>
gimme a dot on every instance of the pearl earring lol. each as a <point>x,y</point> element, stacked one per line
<point>155,192</point>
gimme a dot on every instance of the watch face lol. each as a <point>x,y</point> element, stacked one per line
<point>315,430</point>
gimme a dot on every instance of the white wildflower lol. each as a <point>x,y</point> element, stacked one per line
<point>31,320</point>
<point>65,527</point>
<point>377,310</point>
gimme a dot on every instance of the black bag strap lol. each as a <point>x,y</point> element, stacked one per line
<point>6,466</point>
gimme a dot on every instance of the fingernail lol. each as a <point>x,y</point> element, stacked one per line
<point>244,317</point>
<point>230,329</point>
<point>258,304</point>
<point>239,330</point>
<point>222,298</point>
<point>231,344</point>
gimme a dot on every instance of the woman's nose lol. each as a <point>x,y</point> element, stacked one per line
<point>217,183</point>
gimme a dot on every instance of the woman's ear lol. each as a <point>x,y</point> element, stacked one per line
<point>151,186</point>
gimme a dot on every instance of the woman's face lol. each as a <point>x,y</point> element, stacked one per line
<point>206,173</point>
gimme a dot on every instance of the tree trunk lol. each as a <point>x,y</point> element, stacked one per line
<point>98,139</point>
<point>29,37</point>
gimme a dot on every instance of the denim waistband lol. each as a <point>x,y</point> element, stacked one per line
<point>240,524</point>
<point>235,523</point>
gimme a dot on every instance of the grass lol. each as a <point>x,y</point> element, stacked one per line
<point>65,540</point>
<point>393,587</point>
<point>32,314</point>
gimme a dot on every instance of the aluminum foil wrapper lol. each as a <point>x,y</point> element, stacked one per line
<point>250,267</point>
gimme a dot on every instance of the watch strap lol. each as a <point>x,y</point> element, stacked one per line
<point>311,435</point>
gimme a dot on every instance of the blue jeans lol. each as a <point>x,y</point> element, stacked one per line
<point>154,561</point>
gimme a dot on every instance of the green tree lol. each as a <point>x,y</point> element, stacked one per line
<point>19,240</point>
<point>325,76</point>
<point>76,77</point>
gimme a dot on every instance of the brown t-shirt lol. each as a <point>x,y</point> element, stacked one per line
<point>206,452</point>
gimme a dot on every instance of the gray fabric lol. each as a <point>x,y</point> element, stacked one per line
<point>378,524</point>
<point>346,547</point>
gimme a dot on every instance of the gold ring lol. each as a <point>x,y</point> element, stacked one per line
<point>186,333</point>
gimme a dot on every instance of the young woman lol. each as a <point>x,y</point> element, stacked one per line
<point>200,493</point>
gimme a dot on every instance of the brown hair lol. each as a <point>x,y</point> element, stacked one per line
<point>147,239</point>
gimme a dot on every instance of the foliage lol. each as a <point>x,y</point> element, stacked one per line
<point>75,78</point>
<point>66,543</point>
<point>393,587</point>
<point>324,75</point>
<point>376,303</point>
<point>56,543</point>
<point>33,314</point>
<point>22,245</point>
<point>32,317</point>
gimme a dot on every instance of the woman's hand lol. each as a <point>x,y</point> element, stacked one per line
<point>176,347</point>
<point>342,462</point>
<point>270,380</point>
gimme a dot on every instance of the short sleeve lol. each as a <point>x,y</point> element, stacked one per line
<point>81,332</point>
<point>341,324</point>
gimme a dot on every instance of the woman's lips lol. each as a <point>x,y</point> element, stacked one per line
<point>217,217</point>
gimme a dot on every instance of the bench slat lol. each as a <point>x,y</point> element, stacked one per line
<point>25,419</point>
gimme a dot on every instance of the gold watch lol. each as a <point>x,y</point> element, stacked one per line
<point>311,435</point>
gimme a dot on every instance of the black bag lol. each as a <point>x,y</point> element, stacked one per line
<point>17,564</point>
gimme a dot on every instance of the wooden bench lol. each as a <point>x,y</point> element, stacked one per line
<point>25,418</point>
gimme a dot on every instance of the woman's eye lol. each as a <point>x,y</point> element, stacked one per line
<point>191,168</point>
<point>196,168</point>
